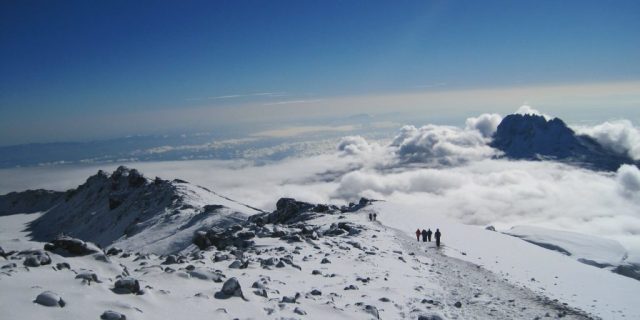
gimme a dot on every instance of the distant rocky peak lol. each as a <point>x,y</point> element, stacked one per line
<point>533,137</point>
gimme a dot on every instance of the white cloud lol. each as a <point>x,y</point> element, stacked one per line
<point>629,179</point>
<point>296,131</point>
<point>440,145</point>
<point>620,136</point>
<point>526,109</point>
<point>486,124</point>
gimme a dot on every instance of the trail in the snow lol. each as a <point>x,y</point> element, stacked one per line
<point>481,293</point>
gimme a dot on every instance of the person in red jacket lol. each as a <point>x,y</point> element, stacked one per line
<point>418,233</point>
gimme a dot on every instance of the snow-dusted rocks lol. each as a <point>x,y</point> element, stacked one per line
<point>222,238</point>
<point>35,258</point>
<point>50,299</point>
<point>112,315</point>
<point>230,288</point>
<point>127,286</point>
<point>88,277</point>
<point>68,246</point>
<point>127,210</point>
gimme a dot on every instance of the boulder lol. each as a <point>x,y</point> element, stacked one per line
<point>36,258</point>
<point>112,315</point>
<point>88,276</point>
<point>50,299</point>
<point>431,316</point>
<point>126,286</point>
<point>68,246</point>
<point>230,288</point>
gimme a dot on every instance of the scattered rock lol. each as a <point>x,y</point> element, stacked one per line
<point>88,276</point>
<point>316,272</point>
<point>325,261</point>
<point>230,288</point>
<point>299,311</point>
<point>458,304</point>
<point>62,265</point>
<point>293,299</point>
<point>235,264</point>
<point>316,292</point>
<point>50,299</point>
<point>37,258</point>
<point>372,311</point>
<point>261,292</point>
<point>490,228</point>
<point>112,315</point>
<point>173,259</point>
<point>127,285</point>
<point>431,316</point>
<point>68,246</point>
<point>113,251</point>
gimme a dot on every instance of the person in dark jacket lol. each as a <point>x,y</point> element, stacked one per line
<point>424,235</point>
<point>429,233</point>
<point>375,216</point>
<point>418,234</point>
<point>370,217</point>
<point>437,235</point>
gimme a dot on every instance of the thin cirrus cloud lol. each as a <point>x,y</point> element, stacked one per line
<point>238,96</point>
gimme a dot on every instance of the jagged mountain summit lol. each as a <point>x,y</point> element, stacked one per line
<point>533,137</point>
<point>128,210</point>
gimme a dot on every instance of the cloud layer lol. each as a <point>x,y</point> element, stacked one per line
<point>446,170</point>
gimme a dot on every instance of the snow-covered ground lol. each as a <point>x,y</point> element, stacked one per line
<point>381,270</point>
<point>550,273</point>
<point>588,249</point>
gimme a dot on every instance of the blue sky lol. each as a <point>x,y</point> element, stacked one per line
<point>67,62</point>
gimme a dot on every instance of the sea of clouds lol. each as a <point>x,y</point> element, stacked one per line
<point>443,169</point>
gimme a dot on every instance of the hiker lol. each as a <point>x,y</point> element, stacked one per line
<point>437,234</point>
<point>375,216</point>
<point>418,234</point>
<point>424,235</point>
<point>429,233</point>
<point>370,217</point>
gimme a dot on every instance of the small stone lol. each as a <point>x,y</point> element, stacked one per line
<point>458,304</point>
<point>299,311</point>
<point>316,292</point>
<point>63,265</point>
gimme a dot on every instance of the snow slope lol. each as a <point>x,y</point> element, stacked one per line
<point>127,210</point>
<point>375,273</point>
<point>550,273</point>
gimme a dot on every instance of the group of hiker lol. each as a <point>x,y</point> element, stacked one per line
<point>373,216</point>
<point>426,235</point>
